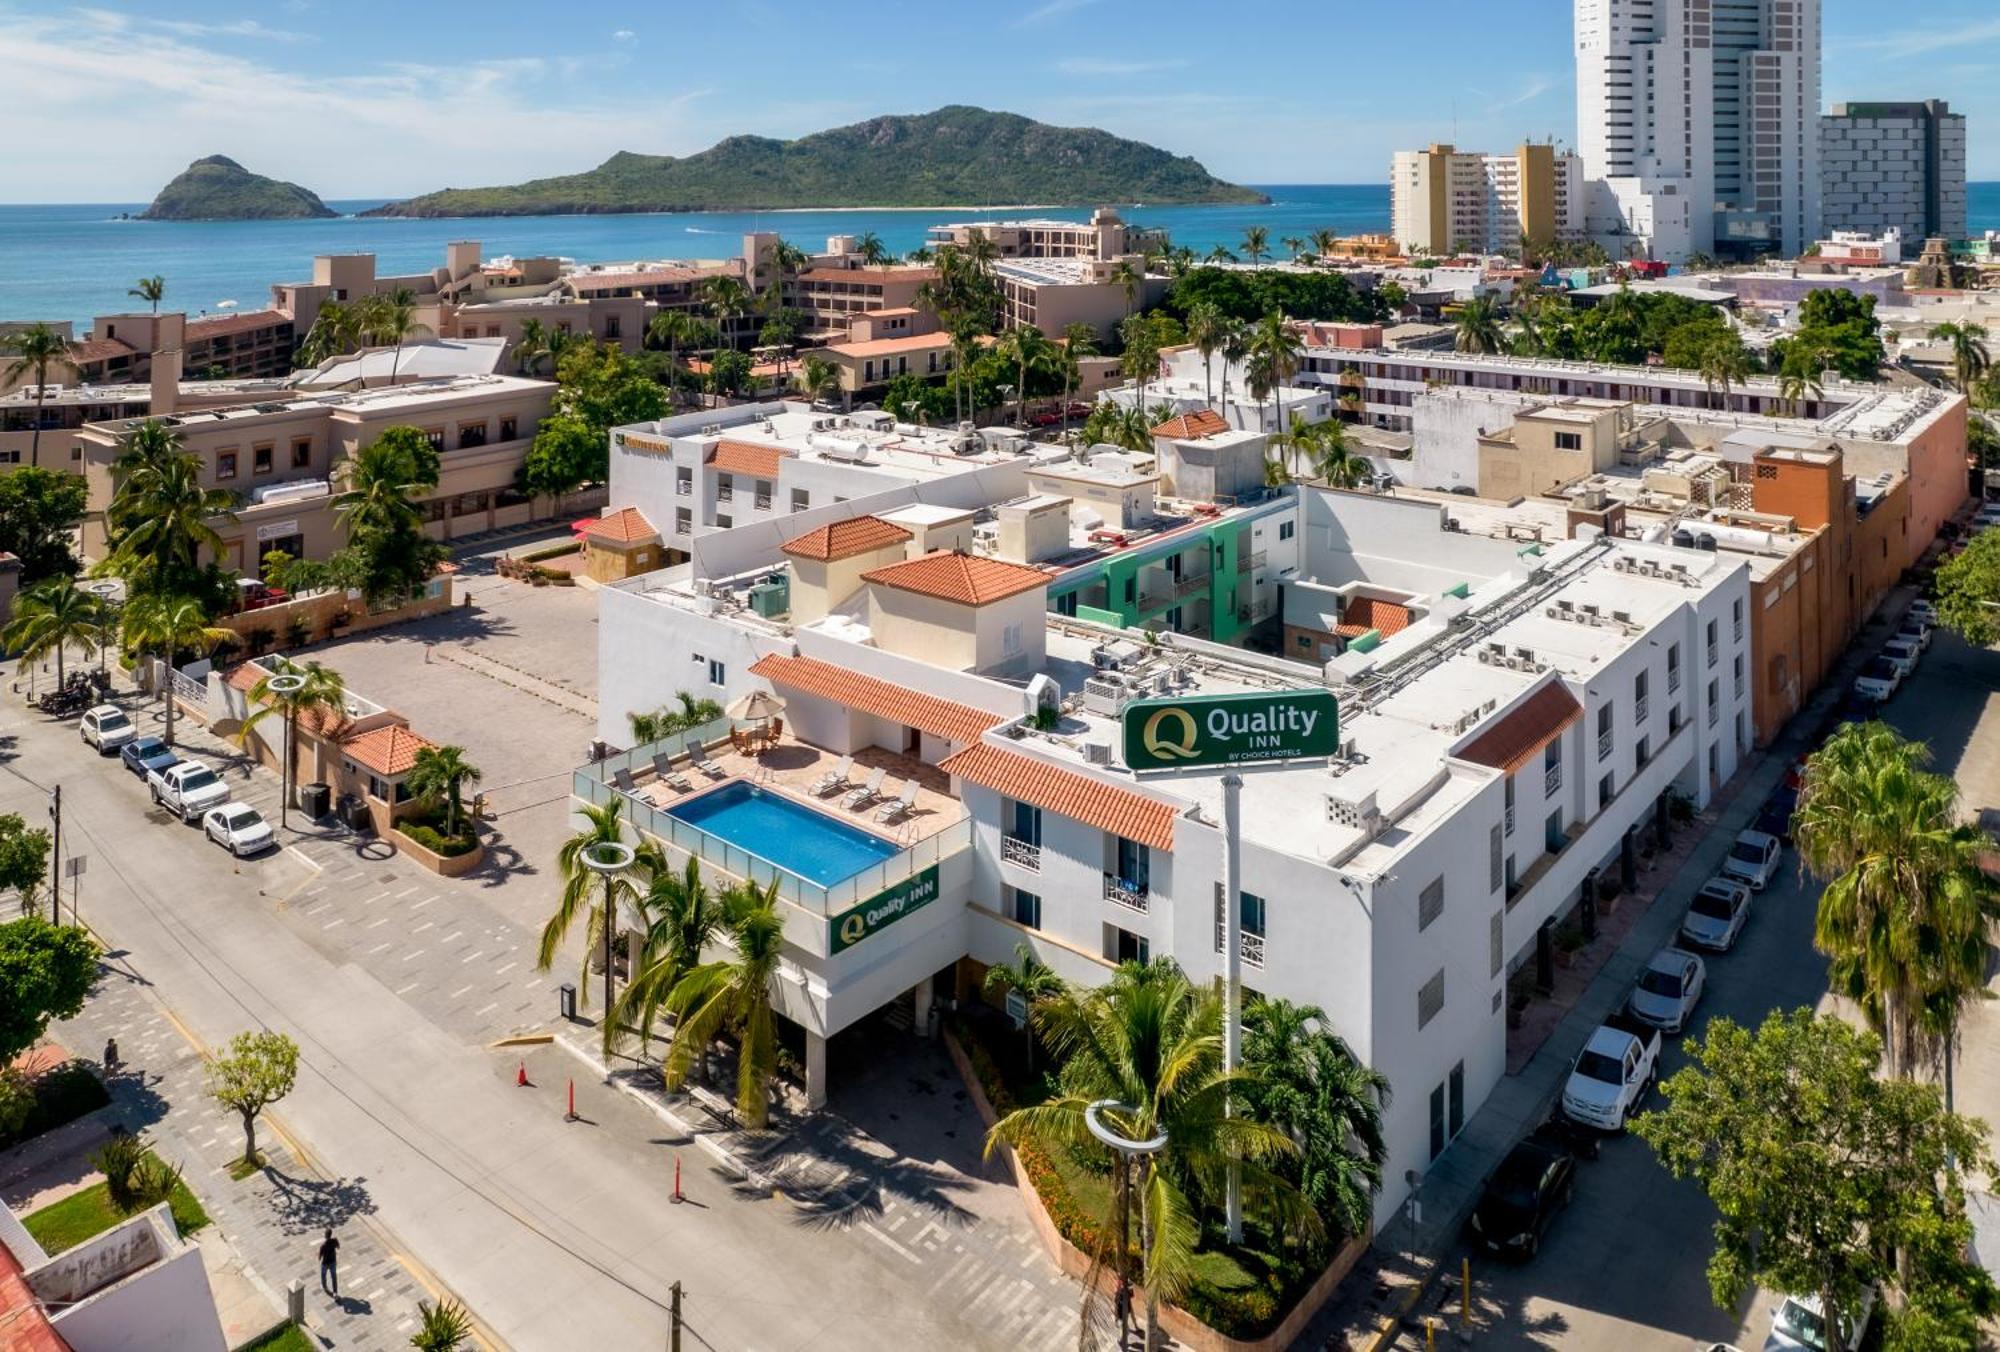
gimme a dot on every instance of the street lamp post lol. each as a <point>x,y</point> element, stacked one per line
<point>607,859</point>
<point>285,686</point>
<point>1128,1149</point>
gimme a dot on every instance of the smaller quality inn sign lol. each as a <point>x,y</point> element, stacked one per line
<point>882,910</point>
<point>1171,734</point>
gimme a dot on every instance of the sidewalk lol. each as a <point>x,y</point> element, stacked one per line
<point>1406,1254</point>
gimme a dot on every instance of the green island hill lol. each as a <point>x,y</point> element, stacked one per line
<point>219,189</point>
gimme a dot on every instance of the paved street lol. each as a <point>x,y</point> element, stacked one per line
<point>556,1234</point>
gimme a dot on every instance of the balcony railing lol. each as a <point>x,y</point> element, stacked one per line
<point>1250,947</point>
<point>1510,819</point>
<point>1673,679</point>
<point>684,487</point>
<point>1187,586</point>
<point>763,502</point>
<point>1127,893</point>
<point>1604,744</point>
<point>725,492</point>
<point>1714,713</point>
<point>1711,654</point>
<point>1639,709</point>
<point>1027,854</point>
<point>1552,779</point>
<point>1736,629</point>
<point>1246,563</point>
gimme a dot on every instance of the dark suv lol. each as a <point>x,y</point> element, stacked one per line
<point>1524,1194</point>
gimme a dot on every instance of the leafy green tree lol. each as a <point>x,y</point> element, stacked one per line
<point>1614,330</point>
<point>1970,359</point>
<point>1034,979</point>
<point>1819,1168</point>
<point>151,290</point>
<point>54,616</point>
<point>1685,343</point>
<point>378,505</point>
<point>1841,326</point>
<point>1724,363</point>
<point>1025,349</point>
<point>1273,351</point>
<point>1249,296</point>
<point>40,510</point>
<point>160,516</point>
<point>1478,326</point>
<point>442,772</point>
<point>35,348</point>
<point>1308,1083</point>
<point>254,1071</point>
<point>1968,591</point>
<point>24,858</point>
<point>17,1101</point>
<point>733,995</point>
<point>582,896</point>
<point>166,626</point>
<point>911,398</point>
<point>562,457</point>
<point>819,379</point>
<point>729,374</point>
<point>1111,425</point>
<point>679,919</point>
<point>45,972</point>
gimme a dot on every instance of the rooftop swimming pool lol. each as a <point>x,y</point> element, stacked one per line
<point>799,839</point>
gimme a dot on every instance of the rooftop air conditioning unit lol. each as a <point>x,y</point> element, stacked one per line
<point>1097,753</point>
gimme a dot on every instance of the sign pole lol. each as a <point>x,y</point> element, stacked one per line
<point>1232,968</point>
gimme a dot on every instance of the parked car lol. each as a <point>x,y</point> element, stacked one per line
<point>1533,1183</point>
<point>1903,656</point>
<point>1878,681</point>
<point>1560,1133</point>
<point>239,828</point>
<point>1717,915</point>
<point>1775,817</point>
<point>187,789</point>
<point>107,728</point>
<point>143,755</point>
<point>1753,859</point>
<point>1798,1323</point>
<point>1612,1073</point>
<point>1668,989</point>
<point>1922,609</point>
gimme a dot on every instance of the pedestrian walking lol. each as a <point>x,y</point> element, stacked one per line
<point>329,1264</point>
<point>110,1055</point>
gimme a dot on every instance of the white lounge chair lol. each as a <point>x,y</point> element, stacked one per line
<point>836,778</point>
<point>868,792</point>
<point>700,761</point>
<point>663,770</point>
<point>900,805</point>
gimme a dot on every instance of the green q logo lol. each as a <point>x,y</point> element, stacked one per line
<point>1169,734</point>
<point>854,929</point>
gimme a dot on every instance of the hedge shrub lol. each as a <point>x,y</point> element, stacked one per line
<point>62,1094</point>
<point>436,841</point>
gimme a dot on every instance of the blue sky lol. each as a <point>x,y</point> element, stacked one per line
<point>363,98</point>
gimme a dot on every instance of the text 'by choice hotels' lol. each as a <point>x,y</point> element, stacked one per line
<point>1233,729</point>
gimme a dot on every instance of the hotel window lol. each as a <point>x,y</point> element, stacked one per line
<point>1569,441</point>
<point>302,452</point>
<point>225,465</point>
<point>1430,904</point>
<point>763,497</point>
<point>1285,530</point>
<point>723,521</point>
<point>471,434</point>
<point>1739,675</point>
<point>1430,999</point>
<point>868,371</point>
<point>801,499</point>
<point>435,436</point>
<point>509,429</point>
<point>716,672</point>
<point>260,459</point>
<point>684,481</point>
<point>1121,946</point>
<point>612,327</point>
<point>1024,908</point>
<point>725,487</point>
<point>1493,854</point>
<point>683,521</point>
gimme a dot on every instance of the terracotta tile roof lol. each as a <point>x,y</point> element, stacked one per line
<point>1067,793</point>
<point>244,676</point>
<point>884,699</point>
<point>1203,422</point>
<point>742,457</point>
<point>1511,740</point>
<point>963,578</point>
<point>626,526</point>
<point>96,349</point>
<point>845,539</point>
<point>1365,612</point>
<point>867,275</point>
<point>24,1323</point>
<point>875,347</point>
<point>388,750</point>
<point>215,326</point>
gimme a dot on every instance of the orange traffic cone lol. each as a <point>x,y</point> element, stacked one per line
<point>521,1077</point>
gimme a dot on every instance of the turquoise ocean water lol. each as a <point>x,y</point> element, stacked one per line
<point>73,262</point>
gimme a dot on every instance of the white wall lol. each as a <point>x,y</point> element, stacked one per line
<point>1371,540</point>
<point>1446,428</point>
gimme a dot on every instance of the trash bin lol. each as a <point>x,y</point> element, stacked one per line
<point>354,813</point>
<point>566,1000</point>
<point>315,800</point>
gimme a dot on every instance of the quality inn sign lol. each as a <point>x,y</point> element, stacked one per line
<point>1171,734</point>
<point>880,911</point>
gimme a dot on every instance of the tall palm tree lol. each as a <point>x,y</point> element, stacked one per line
<point>1724,363</point>
<point>1321,450</point>
<point>165,626</point>
<point>1025,349</point>
<point>1204,330</point>
<point>728,299</point>
<point>1324,242</point>
<point>1141,359</point>
<point>321,696</point>
<point>1479,326</point>
<point>1970,359</point>
<point>1126,276</point>
<point>1034,979</point>
<point>160,516</point>
<point>379,487</point>
<point>533,345</point>
<point>819,378</point>
<point>1219,254</point>
<point>442,772</point>
<point>1310,1084</point>
<point>150,289</point>
<point>1294,245</point>
<point>1079,340</point>
<point>1233,342</point>
<point>1151,1042</point>
<point>1273,350</point>
<point>390,317</point>
<point>1256,244</point>
<point>53,616</point>
<point>679,919</point>
<point>579,897</point>
<point>1906,910</point>
<point>673,330</point>
<point>871,249</point>
<point>335,330</point>
<point>34,349</point>
<point>733,995</point>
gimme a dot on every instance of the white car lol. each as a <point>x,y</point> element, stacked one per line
<point>1668,989</point>
<point>1798,1324</point>
<point>1717,915</point>
<point>239,829</point>
<point>188,789</point>
<point>1878,681</point>
<point>1901,655</point>
<point>1915,633</point>
<point>1754,859</point>
<point>1921,609</point>
<point>107,728</point>
<point>1612,1074</point>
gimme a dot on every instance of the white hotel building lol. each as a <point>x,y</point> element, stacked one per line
<point>1510,719</point>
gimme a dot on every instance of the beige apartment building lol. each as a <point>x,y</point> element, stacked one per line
<point>1553,444</point>
<point>1105,235</point>
<point>280,458</point>
<point>1442,198</point>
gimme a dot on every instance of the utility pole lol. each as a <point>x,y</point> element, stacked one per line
<point>1232,968</point>
<point>675,1345</point>
<point>55,855</point>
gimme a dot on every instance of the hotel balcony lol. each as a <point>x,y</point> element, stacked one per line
<point>1135,896</point>
<point>1014,850</point>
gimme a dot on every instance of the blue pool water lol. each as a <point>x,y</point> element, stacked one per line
<point>811,844</point>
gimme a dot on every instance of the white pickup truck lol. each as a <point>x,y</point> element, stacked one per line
<point>187,789</point>
<point>1612,1073</point>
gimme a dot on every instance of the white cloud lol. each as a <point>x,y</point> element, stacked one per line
<point>113,21</point>
<point>1920,41</point>
<point>1093,65</point>
<point>1050,9</point>
<point>623,35</point>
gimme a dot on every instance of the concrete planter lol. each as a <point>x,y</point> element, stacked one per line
<point>445,866</point>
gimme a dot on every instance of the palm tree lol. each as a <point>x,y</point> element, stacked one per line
<point>1151,1042</point>
<point>1294,245</point>
<point>920,255</point>
<point>1970,359</point>
<point>1273,351</point>
<point>51,617</point>
<point>1256,244</point>
<point>1310,1085</point>
<point>150,289</point>
<point>1114,425</point>
<point>443,1327</point>
<point>335,330</point>
<point>696,711</point>
<point>533,344</point>
<point>727,299</point>
<point>1204,330</point>
<point>1141,358</point>
<point>1906,909</point>
<point>1079,340</point>
<point>442,772</point>
<point>1324,242</point>
<point>1034,979</point>
<point>733,994</point>
<point>391,317</point>
<point>35,348</point>
<point>166,626</point>
<point>160,513</point>
<point>1126,276</point>
<point>1025,349</point>
<point>1220,254</point>
<point>679,919</point>
<point>1724,363</point>
<point>1233,342</point>
<point>674,329</point>
<point>601,827</point>
<point>1321,449</point>
<point>379,489</point>
<point>872,252</point>
<point>819,378</point>
<point>1479,326</point>
<point>320,695</point>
